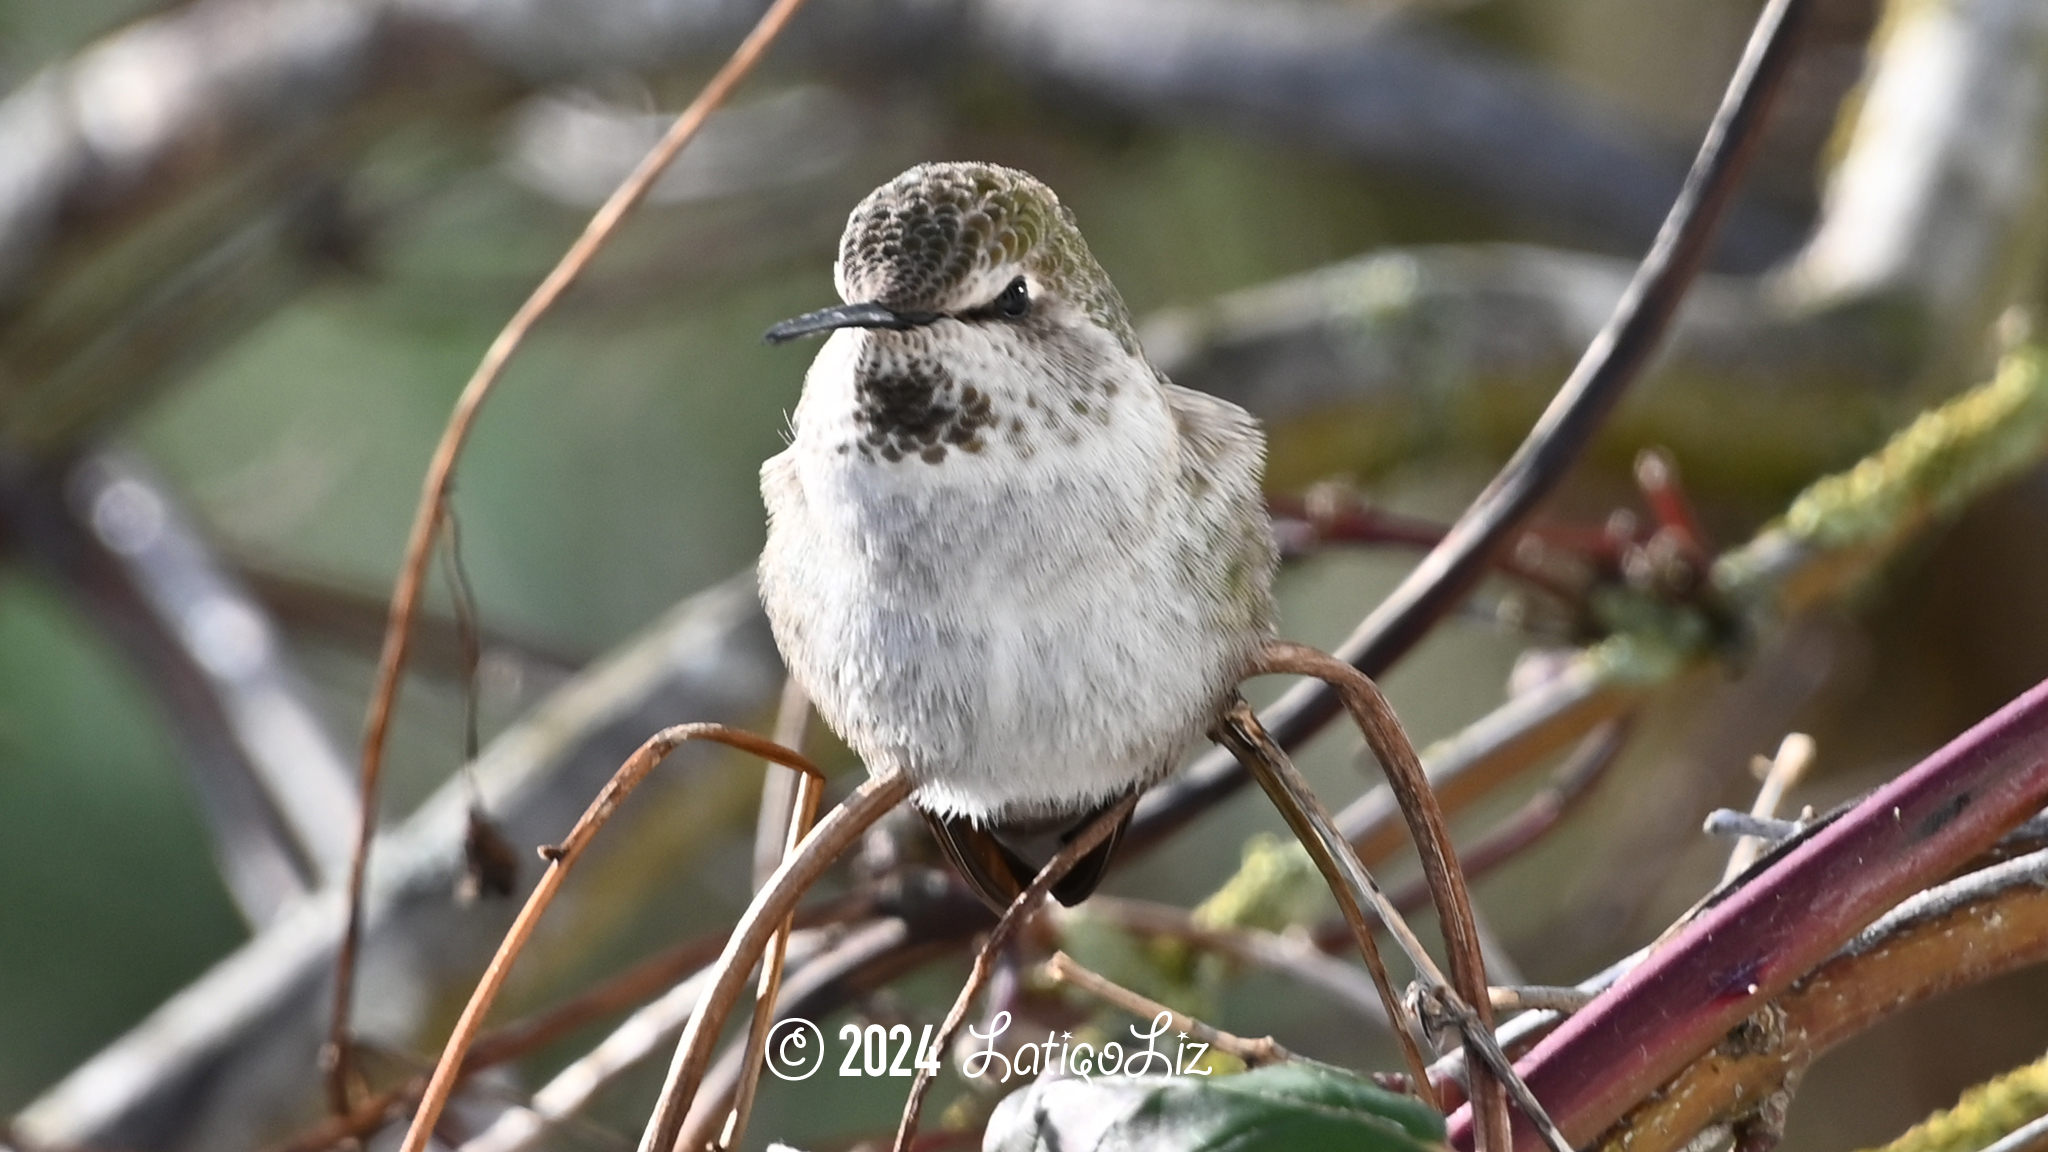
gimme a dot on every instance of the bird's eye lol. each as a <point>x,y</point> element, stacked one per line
<point>1015,300</point>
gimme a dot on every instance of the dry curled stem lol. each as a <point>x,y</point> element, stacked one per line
<point>562,857</point>
<point>1354,888</point>
<point>1389,742</point>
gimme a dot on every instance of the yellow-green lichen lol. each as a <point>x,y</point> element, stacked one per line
<point>1941,461</point>
<point>1843,524</point>
<point>1985,1113</point>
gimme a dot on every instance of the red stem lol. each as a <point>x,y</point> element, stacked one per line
<point>1745,951</point>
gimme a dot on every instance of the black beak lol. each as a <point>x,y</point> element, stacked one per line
<point>846,316</point>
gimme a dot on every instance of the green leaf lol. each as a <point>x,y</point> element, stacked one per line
<point>1298,1107</point>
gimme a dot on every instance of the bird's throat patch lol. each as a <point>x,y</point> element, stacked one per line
<point>914,410</point>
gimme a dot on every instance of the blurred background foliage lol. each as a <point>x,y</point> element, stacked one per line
<point>614,474</point>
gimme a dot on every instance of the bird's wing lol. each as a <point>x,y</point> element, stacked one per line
<point>1223,466</point>
<point>1219,441</point>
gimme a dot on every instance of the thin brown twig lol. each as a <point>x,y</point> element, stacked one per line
<point>833,835</point>
<point>562,857</point>
<point>434,494</point>
<point>1013,917</point>
<point>1253,1050</point>
<point>1389,741</point>
<point>1432,998</point>
<point>469,641</point>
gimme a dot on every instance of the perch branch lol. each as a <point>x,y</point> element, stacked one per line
<point>1389,742</point>
<point>1353,887</point>
<point>1834,536</point>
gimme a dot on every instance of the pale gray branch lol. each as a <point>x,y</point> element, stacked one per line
<point>273,788</point>
<point>227,1061</point>
<point>1938,199</point>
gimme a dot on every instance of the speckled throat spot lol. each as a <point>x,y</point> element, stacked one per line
<point>914,409</point>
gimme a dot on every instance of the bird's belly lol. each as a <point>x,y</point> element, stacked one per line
<point>1016,662</point>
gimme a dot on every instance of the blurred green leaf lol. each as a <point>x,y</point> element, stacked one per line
<point>1291,1107</point>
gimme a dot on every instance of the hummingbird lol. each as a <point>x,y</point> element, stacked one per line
<point>1006,556</point>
